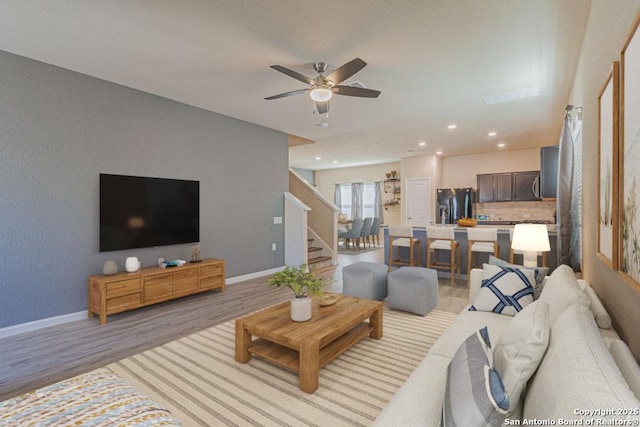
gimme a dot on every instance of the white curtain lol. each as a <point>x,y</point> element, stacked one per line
<point>337,196</point>
<point>378,209</point>
<point>569,198</point>
<point>357,188</point>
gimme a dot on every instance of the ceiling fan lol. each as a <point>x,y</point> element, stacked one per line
<point>322,88</point>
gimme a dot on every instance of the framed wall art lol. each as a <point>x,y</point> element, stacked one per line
<point>629,157</point>
<point>608,107</point>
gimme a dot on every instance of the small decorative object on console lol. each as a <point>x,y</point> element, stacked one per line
<point>110,268</point>
<point>195,253</point>
<point>132,264</point>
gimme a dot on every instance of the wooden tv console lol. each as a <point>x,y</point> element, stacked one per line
<point>127,291</point>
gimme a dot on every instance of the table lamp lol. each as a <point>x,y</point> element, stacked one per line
<point>530,239</point>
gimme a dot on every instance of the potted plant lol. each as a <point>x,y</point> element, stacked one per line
<point>302,282</point>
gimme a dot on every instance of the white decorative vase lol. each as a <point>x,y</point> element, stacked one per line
<point>110,268</point>
<point>300,309</point>
<point>132,264</point>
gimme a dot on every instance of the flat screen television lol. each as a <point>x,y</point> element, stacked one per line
<point>142,212</point>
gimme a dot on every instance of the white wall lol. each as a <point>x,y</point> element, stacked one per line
<point>461,171</point>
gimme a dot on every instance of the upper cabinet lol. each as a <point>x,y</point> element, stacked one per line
<point>526,186</point>
<point>494,187</point>
<point>509,186</point>
<point>549,172</point>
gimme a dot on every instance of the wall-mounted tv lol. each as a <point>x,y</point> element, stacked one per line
<point>141,212</point>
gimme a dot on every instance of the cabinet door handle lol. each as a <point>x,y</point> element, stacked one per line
<point>535,188</point>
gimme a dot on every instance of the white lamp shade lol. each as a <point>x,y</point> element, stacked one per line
<point>531,237</point>
<point>321,94</point>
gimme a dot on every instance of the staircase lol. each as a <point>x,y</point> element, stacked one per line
<point>316,259</point>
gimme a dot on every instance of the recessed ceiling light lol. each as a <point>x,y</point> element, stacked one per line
<point>502,145</point>
<point>492,133</point>
<point>335,162</point>
<point>439,153</point>
<point>318,158</point>
<point>452,126</point>
<point>422,143</point>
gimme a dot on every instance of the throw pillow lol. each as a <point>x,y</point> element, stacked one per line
<point>520,349</point>
<point>599,312</point>
<point>504,290</point>
<point>539,272</point>
<point>474,395</point>
<point>562,291</point>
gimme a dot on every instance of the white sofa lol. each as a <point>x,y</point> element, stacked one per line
<point>577,374</point>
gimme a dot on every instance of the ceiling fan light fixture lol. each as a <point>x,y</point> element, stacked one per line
<point>321,94</point>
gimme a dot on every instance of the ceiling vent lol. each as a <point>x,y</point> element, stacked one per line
<point>515,95</point>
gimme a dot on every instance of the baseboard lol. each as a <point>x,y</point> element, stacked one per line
<point>42,323</point>
<point>57,320</point>
<point>250,276</point>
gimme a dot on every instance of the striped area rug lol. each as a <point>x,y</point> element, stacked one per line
<point>197,378</point>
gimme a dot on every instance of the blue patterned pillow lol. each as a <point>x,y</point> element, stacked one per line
<point>474,395</point>
<point>504,290</point>
<point>539,272</point>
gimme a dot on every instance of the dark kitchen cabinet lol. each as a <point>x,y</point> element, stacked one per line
<point>526,186</point>
<point>549,172</point>
<point>494,187</point>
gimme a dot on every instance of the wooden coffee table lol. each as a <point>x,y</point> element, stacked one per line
<point>305,347</point>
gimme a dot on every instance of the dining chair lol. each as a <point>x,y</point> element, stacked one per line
<point>375,230</point>
<point>365,232</point>
<point>353,233</point>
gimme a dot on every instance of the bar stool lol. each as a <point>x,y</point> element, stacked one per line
<point>402,237</point>
<point>443,238</point>
<point>514,252</point>
<point>481,240</point>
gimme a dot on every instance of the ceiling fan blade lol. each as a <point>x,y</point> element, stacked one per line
<point>355,91</point>
<point>293,74</point>
<point>342,73</point>
<point>322,107</point>
<point>283,95</point>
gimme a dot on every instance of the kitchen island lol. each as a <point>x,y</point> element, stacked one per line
<point>420,233</point>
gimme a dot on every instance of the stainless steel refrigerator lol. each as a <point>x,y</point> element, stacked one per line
<point>454,203</point>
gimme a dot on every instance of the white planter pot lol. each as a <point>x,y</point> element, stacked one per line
<point>132,264</point>
<point>300,309</point>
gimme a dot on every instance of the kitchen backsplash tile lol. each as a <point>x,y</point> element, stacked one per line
<point>518,211</point>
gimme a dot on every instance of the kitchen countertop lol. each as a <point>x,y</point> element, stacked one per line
<point>503,227</point>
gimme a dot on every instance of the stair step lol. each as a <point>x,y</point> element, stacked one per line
<point>313,249</point>
<point>318,259</point>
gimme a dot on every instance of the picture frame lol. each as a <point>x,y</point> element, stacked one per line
<point>608,188</point>
<point>629,159</point>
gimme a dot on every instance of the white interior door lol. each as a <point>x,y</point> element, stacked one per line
<point>418,205</point>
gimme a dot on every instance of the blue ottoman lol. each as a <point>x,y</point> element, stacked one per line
<point>366,280</point>
<point>413,289</point>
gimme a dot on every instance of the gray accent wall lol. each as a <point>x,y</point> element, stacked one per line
<point>60,129</point>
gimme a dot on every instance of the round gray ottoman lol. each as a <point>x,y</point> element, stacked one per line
<point>366,280</point>
<point>413,289</point>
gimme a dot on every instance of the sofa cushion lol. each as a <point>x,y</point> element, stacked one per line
<point>475,394</point>
<point>419,401</point>
<point>627,364</point>
<point>538,272</point>
<point>561,291</point>
<point>577,373</point>
<point>504,290</point>
<point>520,349</point>
<point>465,324</point>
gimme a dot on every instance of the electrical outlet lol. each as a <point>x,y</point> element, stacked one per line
<point>527,216</point>
<point>277,220</point>
<point>273,246</point>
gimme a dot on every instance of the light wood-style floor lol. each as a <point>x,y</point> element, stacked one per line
<point>35,359</point>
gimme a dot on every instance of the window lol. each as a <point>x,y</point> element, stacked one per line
<point>368,200</point>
